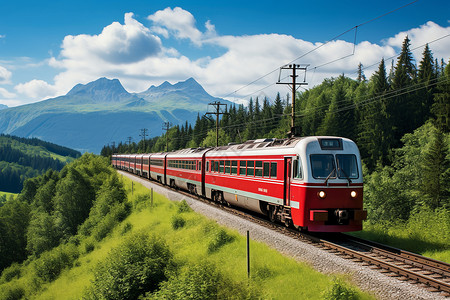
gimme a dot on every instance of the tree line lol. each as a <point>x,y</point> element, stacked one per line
<point>19,162</point>
<point>392,116</point>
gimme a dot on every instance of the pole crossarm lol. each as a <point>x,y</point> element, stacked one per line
<point>294,85</point>
<point>217,112</point>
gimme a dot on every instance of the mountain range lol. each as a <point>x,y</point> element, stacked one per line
<point>92,115</point>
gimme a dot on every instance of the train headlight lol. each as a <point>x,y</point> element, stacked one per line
<point>353,194</point>
<point>322,194</point>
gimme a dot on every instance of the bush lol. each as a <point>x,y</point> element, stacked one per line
<point>13,271</point>
<point>12,293</point>
<point>178,222</point>
<point>137,266</point>
<point>184,207</point>
<point>127,227</point>
<point>220,239</point>
<point>340,291</point>
<point>202,281</point>
<point>51,263</point>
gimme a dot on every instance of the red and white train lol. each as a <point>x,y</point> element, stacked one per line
<point>312,183</point>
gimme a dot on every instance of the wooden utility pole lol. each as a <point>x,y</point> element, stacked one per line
<point>129,140</point>
<point>294,86</point>
<point>166,126</point>
<point>217,113</point>
<point>143,135</point>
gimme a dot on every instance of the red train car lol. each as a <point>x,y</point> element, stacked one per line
<point>312,183</point>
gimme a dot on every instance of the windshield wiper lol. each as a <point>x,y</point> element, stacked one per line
<point>329,175</point>
<point>347,177</point>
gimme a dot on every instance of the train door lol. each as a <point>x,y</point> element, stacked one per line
<point>287,180</point>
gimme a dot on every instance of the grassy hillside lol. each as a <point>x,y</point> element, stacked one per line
<point>160,251</point>
<point>22,158</point>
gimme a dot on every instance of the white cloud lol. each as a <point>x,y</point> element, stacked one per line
<point>37,89</point>
<point>5,75</point>
<point>425,34</point>
<point>117,43</point>
<point>133,54</point>
<point>181,24</point>
<point>6,94</point>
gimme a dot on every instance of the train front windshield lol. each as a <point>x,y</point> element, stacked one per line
<point>324,166</point>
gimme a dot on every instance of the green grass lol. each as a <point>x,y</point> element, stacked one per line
<point>8,195</point>
<point>275,276</point>
<point>427,235</point>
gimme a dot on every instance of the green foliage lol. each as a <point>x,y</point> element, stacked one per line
<point>178,222</point>
<point>14,219</point>
<point>340,291</point>
<point>184,207</point>
<point>419,178</point>
<point>22,158</point>
<point>220,238</point>
<point>52,263</point>
<point>137,266</point>
<point>42,234</point>
<point>11,272</point>
<point>73,201</point>
<point>13,293</point>
<point>201,281</point>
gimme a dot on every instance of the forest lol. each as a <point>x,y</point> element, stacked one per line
<point>399,118</point>
<point>22,158</point>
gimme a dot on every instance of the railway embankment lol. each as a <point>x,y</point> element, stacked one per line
<point>368,278</point>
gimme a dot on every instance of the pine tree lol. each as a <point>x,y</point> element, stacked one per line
<point>375,137</point>
<point>361,77</point>
<point>404,108</point>
<point>441,105</point>
<point>426,76</point>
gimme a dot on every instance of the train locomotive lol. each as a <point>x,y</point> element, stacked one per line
<point>311,183</point>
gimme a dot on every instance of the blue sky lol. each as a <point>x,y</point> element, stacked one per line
<point>46,47</point>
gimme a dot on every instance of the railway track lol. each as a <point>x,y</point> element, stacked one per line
<point>405,266</point>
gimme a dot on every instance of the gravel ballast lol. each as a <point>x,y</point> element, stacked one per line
<point>372,281</point>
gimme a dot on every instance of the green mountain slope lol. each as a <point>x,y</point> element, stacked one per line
<point>102,112</point>
<point>22,158</point>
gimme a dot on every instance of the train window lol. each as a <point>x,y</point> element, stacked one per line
<point>222,163</point>
<point>297,169</point>
<point>227,166</point>
<point>242,167</point>
<point>234,167</point>
<point>330,144</point>
<point>347,166</point>
<point>199,165</point>
<point>266,169</point>
<point>250,166</point>
<point>323,166</point>
<point>258,168</point>
<point>216,166</point>
<point>273,169</point>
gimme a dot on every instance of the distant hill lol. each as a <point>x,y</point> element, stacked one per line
<point>101,112</point>
<point>22,158</point>
<point>3,106</point>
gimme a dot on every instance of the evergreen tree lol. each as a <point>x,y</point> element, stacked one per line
<point>375,128</point>
<point>361,77</point>
<point>404,108</point>
<point>426,76</point>
<point>441,105</point>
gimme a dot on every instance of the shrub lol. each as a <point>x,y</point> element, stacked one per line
<point>137,266</point>
<point>184,207</point>
<point>178,222</point>
<point>13,271</point>
<point>51,263</point>
<point>127,227</point>
<point>12,293</point>
<point>220,239</point>
<point>340,291</point>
